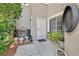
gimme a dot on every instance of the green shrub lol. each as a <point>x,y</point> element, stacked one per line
<point>55,36</point>
<point>5,44</point>
<point>9,13</point>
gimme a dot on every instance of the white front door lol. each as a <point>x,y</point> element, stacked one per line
<point>41,28</point>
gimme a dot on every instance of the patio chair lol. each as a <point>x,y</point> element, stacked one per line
<point>25,35</point>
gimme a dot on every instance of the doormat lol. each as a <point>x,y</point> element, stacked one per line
<point>41,40</point>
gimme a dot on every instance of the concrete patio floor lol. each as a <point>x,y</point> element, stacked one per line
<point>45,48</point>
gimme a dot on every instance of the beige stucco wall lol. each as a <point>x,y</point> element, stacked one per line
<point>38,10</point>
<point>72,41</point>
<point>24,22</point>
<point>32,11</point>
<point>54,8</point>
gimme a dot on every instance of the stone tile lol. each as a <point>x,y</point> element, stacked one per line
<point>47,51</point>
<point>26,50</point>
<point>42,44</point>
<point>45,48</point>
<point>36,54</point>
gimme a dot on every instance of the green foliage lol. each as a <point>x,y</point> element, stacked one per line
<point>6,26</point>
<point>4,44</point>
<point>10,10</point>
<point>55,36</point>
<point>2,36</point>
<point>9,13</point>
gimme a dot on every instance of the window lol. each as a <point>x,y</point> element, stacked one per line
<point>56,24</point>
<point>53,25</point>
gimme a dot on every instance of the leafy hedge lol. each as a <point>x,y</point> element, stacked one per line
<point>9,13</point>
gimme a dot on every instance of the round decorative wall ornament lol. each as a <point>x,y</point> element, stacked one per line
<point>70,17</point>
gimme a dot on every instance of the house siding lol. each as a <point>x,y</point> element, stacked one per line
<point>71,40</point>
<point>24,22</point>
<point>38,10</point>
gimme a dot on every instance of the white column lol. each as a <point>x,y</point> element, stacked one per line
<point>56,23</point>
<point>48,25</point>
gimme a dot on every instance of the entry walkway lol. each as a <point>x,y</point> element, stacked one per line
<point>45,48</point>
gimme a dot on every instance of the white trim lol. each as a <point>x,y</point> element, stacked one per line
<point>60,13</point>
<point>56,23</point>
<point>55,15</point>
<point>48,26</point>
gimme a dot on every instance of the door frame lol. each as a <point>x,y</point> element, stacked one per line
<point>38,18</point>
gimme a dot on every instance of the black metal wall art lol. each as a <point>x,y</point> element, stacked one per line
<point>70,17</point>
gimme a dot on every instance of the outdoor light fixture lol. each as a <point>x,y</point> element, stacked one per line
<point>70,17</point>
